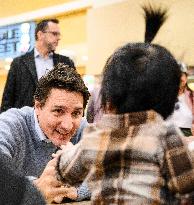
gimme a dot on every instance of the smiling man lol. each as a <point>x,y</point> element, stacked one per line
<point>29,136</point>
<point>63,112</point>
<point>60,115</point>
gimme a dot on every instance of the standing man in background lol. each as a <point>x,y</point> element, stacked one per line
<point>27,69</point>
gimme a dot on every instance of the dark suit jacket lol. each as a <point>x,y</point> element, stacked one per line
<point>22,80</point>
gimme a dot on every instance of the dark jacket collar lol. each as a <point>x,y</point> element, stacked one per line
<point>29,61</point>
<point>55,59</point>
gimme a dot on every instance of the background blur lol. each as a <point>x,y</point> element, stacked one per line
<point>92,29</point>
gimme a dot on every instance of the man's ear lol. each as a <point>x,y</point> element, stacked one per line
<point>40,35</point>
<point>37,106</point>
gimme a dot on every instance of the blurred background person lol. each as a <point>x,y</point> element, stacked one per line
<point>94,110</point>
<point>182,116</point>
<point>25,70</point>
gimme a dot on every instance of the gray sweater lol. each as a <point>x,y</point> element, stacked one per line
<point>23,149</point>
<point>17,190</point>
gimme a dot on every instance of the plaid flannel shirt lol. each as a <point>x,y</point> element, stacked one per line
<point>134,158</point>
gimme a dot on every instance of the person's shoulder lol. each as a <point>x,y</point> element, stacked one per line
<point>17,113</point>
<point>60,56</point>
<point>23,56</point>
<point>63,59</point>
<point>95,130</point>
<point>16,120</point>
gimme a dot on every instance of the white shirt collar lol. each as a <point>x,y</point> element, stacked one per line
<point>40,133</point>
<point>37,53</point>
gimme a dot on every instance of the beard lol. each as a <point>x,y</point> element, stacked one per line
<point>51,48</point>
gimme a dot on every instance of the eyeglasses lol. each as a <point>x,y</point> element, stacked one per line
<point>54,33</point>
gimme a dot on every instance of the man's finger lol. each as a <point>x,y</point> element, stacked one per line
<point>70,192</point>
<point>67,146</point>
<point>56,183</point>
<point>57,154</point>
<point>58,199</point>
<point>52,162</point>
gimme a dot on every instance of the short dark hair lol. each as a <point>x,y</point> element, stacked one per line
<point>42,25</point>
<point>140,77</point>
<point>61,77</point>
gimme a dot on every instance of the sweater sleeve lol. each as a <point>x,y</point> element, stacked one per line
<point>16,189</point>
<point>83,192</point>
<point>73,168</point>
<point>31,195</point>
<point>11,137</point>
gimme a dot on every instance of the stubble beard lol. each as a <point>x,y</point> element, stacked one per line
<point>51,48</point>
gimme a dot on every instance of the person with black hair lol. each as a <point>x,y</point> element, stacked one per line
<point>26,70</point>
<point>94,111</point>
<point>131,156</point>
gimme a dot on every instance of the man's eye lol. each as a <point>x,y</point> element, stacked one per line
<point>77,114</point>
<point>58,111</point>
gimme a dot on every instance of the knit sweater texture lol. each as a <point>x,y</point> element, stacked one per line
<point>23,150</point>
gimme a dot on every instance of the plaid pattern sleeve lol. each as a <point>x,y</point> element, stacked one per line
<point>179,164</point>
<point>72,171</point>
<point>70,165</point>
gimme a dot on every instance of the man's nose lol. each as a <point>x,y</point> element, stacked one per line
<point>59,37</point>
<point>67,123</point>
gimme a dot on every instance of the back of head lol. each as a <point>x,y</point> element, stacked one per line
<point>140,77</point>
<point>61,77</point>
